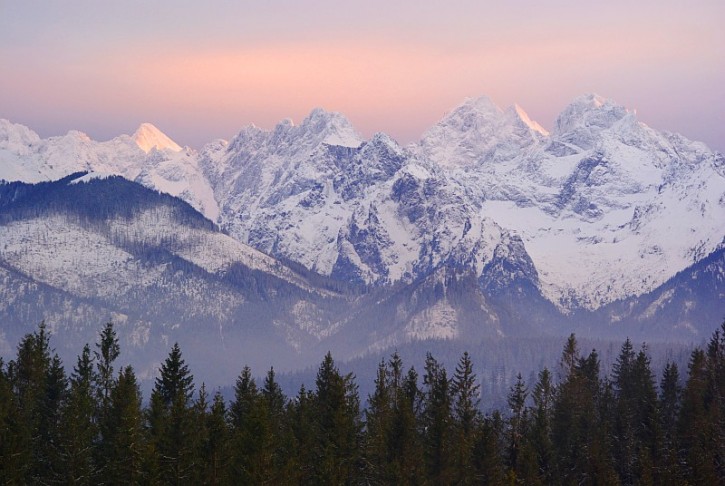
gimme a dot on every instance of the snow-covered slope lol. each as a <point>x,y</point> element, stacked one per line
<point>80,250</point>
<point>367,212</point>
<point>606,206</point>
<point>148,137</point>
<point>148,156</point>
<point>600,209</point>
<point>478,132</point>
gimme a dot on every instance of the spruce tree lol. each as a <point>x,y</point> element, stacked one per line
<point>625,419</point>
<point>392,448</point>
<point>465,392</point>
<point>517,451</point>
<point>669,406</point>
<point>107,351</point>
<point>272,403</point>
<point>125,435</point>
<point>701,427</point>
<point>337,425</point>
<point>249,431</point>
<point>216,453</point>
<point>302,427</point>
<point>79,430</point>
<point>579,432</point>
<point>488,451</point>
<point>39,385</point>
<point>378,423</point>
<point>648,435</point>
<point>200,434</point>
<point>10,435</point>
<point>715,397</point>
<point>405,439</point>
<point>540,432</point>
<point>51,423</point>
<point>171,413</point>
<point>437,422</point>
<point>106,354</point>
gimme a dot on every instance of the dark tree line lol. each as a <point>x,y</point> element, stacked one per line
<point>573,426</point>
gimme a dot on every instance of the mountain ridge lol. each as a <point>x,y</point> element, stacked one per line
<point>79,251</point>
<point>599,196</point>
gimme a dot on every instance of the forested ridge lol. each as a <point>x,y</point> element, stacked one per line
<point>89,425</point>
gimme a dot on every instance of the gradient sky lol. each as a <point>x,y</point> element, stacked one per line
<point>203,70</point>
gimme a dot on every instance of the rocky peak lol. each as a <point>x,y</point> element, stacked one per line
<point>148,137</point>
<point>589,112</point>
<point>330,128</point>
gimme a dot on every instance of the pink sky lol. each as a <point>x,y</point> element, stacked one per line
<point>200,71</point>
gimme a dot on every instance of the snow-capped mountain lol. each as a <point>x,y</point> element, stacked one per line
<point>148,137</point>
<point>83,249</point>
<point>148,156</point>
<point>600,211</point>
<point>90,247</point>
<point>366,212</point>
<point>606,207</point>
<point>478,132</point>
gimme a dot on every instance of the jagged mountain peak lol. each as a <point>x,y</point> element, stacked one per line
<point>590,112</point>
<point>480,104</point>
<point>478,131</point>
<point>518,116</point>
<point>148,137</point>
<point>16,137</point>
<point>473,114</point>
<point>335,128</point>
<point>319,127</point>
<point>604,186</point>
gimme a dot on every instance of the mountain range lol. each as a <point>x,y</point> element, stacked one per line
<point>308,237</point>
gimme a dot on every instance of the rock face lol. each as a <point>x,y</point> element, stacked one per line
<point>606,207</point>
<point>489,225</point>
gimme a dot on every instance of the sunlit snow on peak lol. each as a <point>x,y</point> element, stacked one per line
<point>148,137</point>
<point>524,117</point>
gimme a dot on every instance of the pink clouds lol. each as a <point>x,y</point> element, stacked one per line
<point>397,74</point>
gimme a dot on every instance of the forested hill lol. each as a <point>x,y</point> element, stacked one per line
<point>91,197</point>
<point>574,425</point>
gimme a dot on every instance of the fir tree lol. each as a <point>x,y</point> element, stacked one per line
<point>172,417</point>
<point>393,454</point>
<point>125,436</point>
<point>249,431</point>
<point>79,429</point>
<point>215,448</point>
<point>488,451</point>
<point>437,422</point>
<point>465,391</point>
<point>518,431</point>
<point>337,425</point>
<point>378,423</point>
<point>669,406</point>
<point>107,351</point>
<point>540,432</point>
<point>39,384</point>
<point>302,429</point>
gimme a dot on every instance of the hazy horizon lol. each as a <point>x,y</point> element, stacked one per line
<point>204,71</point>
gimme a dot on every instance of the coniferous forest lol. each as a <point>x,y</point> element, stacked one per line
<point>90,425</point>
